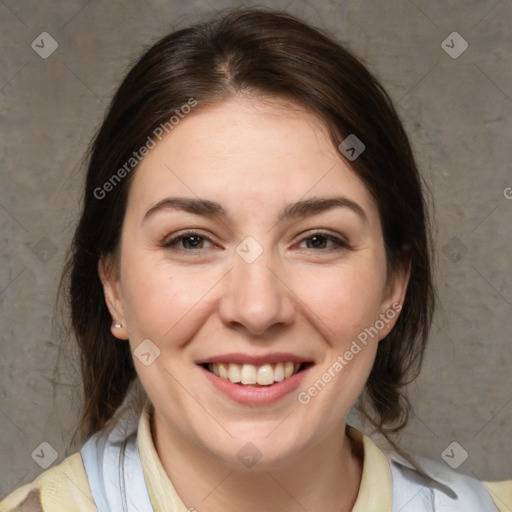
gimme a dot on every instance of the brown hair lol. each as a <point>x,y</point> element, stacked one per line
<point>272,54</point>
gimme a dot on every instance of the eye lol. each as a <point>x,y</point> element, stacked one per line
<point>191,240</point>
<point>319,239</point>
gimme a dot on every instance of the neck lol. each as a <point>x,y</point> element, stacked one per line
<point>326,477</point>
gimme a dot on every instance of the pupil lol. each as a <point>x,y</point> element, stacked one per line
<point>316,240</point>
<point>196,238</point>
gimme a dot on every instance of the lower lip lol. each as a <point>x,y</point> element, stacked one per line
<point>256,395</point>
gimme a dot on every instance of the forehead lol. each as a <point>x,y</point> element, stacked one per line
<point>247,152</point>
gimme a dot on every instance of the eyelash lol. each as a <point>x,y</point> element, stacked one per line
<point>171,244</point>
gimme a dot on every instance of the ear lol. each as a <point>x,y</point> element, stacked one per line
<point>113,297</point>
<point>394,296</point>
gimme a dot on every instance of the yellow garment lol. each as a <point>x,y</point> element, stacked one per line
<point>65,488</point>
<point>62,488</point>
<point>501,493</point>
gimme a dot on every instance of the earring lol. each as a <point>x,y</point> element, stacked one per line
<point>117,325</point>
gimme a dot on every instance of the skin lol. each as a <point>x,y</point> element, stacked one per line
<point>253,156</point>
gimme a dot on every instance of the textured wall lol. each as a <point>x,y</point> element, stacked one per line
<point>457,109</point>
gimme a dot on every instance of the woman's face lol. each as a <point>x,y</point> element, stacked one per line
<point>248,242</point>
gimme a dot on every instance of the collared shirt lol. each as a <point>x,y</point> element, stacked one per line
<point>66,488</point>
<point>375,490</point>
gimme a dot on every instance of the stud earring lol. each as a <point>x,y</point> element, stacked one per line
<point>117,325</point>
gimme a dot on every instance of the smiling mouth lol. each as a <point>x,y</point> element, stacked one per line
<point>251,375</point>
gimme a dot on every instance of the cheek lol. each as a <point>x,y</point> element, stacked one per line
<point>346,299</point>
<point>164,303</point>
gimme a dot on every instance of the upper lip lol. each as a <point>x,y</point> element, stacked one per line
<point>275,357</point>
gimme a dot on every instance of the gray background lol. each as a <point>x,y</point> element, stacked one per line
<point>457,112</point>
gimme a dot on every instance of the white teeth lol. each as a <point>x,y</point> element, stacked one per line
<point>234,373</point>
<point>223,371</point>
<point>279,372</point>
<point>264,375</point>
<point>288,369</point>
<point>248,374</point>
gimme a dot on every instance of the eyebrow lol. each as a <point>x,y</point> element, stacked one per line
<point>299,209</point>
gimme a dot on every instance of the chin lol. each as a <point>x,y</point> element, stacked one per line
<point>258,453</point>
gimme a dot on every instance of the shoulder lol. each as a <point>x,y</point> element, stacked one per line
<point>62,488</point>
<point>446,489</point>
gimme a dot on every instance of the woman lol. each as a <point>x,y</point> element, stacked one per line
<point>253,249</point>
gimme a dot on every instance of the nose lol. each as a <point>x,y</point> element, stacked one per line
<point>256,296</point>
